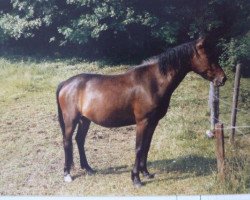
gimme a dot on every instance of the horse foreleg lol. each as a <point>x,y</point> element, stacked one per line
<point>83,127</point>
<point>148,138</point>
<point>144,132</point>
<point>143,161</point>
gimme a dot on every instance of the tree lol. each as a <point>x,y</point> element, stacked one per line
<point>124,28</point>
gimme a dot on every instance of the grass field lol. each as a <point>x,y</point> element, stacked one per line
<point>181,156</point>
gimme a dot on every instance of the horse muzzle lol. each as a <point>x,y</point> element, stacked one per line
<point>220,81</point>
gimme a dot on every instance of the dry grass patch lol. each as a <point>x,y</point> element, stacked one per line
<point>181,156</point>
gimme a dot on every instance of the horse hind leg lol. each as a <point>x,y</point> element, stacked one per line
<point>70,125</point>
<point>83,127</point>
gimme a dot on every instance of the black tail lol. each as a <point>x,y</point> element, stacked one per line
<point>60,116</point>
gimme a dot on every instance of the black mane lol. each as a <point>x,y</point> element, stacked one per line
<point>177,57</point>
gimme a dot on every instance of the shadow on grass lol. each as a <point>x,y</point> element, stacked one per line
<point>182,167</point>
<point>115,170</point>
<point>189,164</point>
<point>111,170</point>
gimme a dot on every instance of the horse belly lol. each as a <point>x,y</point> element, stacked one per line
<point>108,111</point>
<point>116,119</point>
<point>111,117</point>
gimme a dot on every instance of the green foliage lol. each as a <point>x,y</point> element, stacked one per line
<point>235,50</point>
<point>3,36</point>
<point>104,17</point>
<point>26,17</point>
<point>121,28</point>
<point>167,32</point>
<point>15,27</point>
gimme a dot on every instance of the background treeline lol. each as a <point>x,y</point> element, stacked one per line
<point>123,29</point>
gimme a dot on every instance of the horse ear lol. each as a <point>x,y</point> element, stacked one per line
<point>201,42</point>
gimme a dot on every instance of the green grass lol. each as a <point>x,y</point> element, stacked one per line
<point>181,156</point>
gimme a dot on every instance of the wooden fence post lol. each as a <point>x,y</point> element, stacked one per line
<point>214,105</point>
<point>220,150</point>
<point>235,102</point>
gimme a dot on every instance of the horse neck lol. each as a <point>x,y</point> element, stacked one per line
<point>172,78</point>
<point>166,82</point>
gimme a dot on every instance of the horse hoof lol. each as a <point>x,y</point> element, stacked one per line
<point>91,172</point>
<point>138,184</point>
<point>67,178</point>
<point>149,176</point>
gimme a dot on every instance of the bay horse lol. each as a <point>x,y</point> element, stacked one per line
<point>140,96</point>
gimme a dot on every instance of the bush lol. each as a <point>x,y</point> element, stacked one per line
<point>234,51</point>
<point>121,29</point>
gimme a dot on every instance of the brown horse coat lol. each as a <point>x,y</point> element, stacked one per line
<point>140,96</point>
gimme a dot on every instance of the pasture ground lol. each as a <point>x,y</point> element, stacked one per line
<point>181,156</point>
